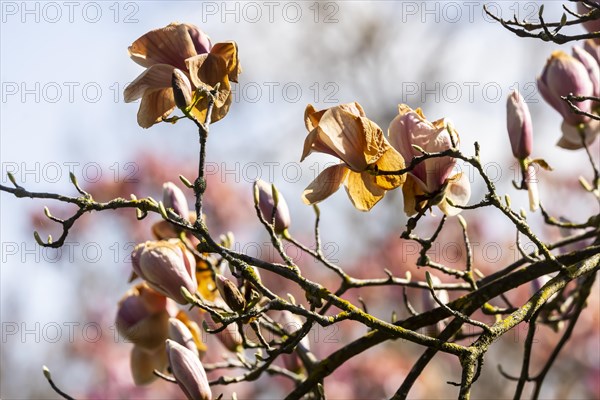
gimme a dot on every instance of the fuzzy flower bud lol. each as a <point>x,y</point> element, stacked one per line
<point>188,371</point>
<point>267,199</point>
<point>230,293</point>
<point>174,198</point>
<point>166,266</point>
<point>518,123</point>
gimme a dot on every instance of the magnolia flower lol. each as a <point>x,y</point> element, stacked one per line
<point>266,203</point>
<point>346,133</point>
<point>185,48</point>
<point>142,316</point>
<point>518,123</point>
<point>593,25</point>
<point>166,266</point>
<point>578,75</point>
<point>188,371</point>
<point>431,182</point>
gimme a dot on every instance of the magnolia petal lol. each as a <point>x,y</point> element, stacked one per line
<point>229,52</point>
<point>459,192</point>
<point>313,143</point>
<point>363,191</point>
<point>412,188</point>
<point>571,139</point>
<point>155,106</point>
<point>391,160</point>
<point>156,77</point>
<point>312,117</point>
<point>169,45</point>
<point>327,183</point>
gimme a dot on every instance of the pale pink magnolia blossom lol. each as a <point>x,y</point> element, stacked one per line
<point>432,181</point>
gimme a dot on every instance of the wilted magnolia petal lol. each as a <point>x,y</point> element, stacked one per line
<point>180,333</point>
<point>230,293</point>
<point>166,266</point>
<point>564,75</point>
<point>518,123</point>
<point>174,198</point>
<point>571,137</point>
<point>188,371</point>
<point>266,204</point>
<point>182,89</point>
<point>143,362</point>
<point>593,25</point>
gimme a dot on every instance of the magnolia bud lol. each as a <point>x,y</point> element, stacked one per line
<point>166,266</point>
<point>143,362</point>
<point>174,198</point>
<point>180,333</point>
<point>429,302</point>
<point>518,123</point>
<point>188,371</point>
<point>142,317</point>
<point>230,293</point>
<point>266,203</point>
<point>562,76</point>
<point>182,89</point>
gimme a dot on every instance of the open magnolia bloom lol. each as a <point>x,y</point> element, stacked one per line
<point>431,182</point>
<point>346,133</point>
<point>186,48</point>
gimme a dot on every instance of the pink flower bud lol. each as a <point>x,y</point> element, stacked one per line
<point>564,75</point>
<point>166,266</point>
<point>429,302</point>
<point>180,333</point>
<point>188,371</point>
<point>518,123</point>
<point>593,25</point>
<point>266,203</point>
<point>142,316</point>
<point>174,198</point>
<point>230,293</point>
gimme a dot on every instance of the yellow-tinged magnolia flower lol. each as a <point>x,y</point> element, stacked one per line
<point>346,133</point>
<point>188,49</point>
<point>431,182</point>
